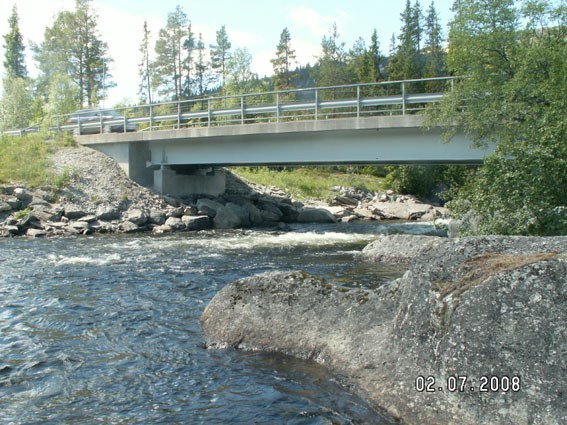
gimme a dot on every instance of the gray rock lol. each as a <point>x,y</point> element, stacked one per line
<point>270,212</point>
<point>175,223</point>
<point>5,207</point>
<point>345,200</point>
<point>400,248</point>
<point>227,218</point>
<point>137,216</point>
<point>79,225</point>
<point>473,307</point>
<point>289,211</point>
<point>162,229</point>
<point>316,215</point>
<point>243,213</point>
<point>74,212</point>
<point>88,218</point>
<point>108,213</point>
<point>176,212</point>
<point>190,210</point>
<point>23,195</point>
<point>201,222</point>
<point>14,203</point>
<point>39,202</point>
<point>12,230</point>
<point>47,213</point>
<point>157,217</point>
<point>35,233</point>
<point>129,227</point>
<point>208,207</point>
<point>30,221</point>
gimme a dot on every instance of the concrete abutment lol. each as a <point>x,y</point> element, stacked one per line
<point>135,157</point>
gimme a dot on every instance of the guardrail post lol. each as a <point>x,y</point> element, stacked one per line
<point>151,117</point>
<point>125,123</point>
<point>403,98</point>
<point>208,112</point>
<point>79,124</point>
<point>316,103</point>
<point>178,114</point>
<point>277,107</point>
<point>357,101</point>
<point>241,109</point>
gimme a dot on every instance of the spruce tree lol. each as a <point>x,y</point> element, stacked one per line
<point>200,82</point>
<point>406,62</point>
<point>14,57</point>
<point>220,55</point>
<point>144,67</point>
<point>169,62</point>
<point>282,63</point>
<point>435,56</point>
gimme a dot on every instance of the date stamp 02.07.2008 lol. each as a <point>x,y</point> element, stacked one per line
<point>463,383</point>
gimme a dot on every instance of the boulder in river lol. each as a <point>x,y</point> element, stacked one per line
<point>473,333</point>
<point>316,215</point>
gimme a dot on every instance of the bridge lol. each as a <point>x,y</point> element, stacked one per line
<point>178,146</point>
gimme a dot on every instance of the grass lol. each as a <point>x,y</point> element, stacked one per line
<point>308,182</point>
<point>25,160</point>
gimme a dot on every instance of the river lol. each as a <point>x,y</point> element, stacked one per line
<point>105,329</point>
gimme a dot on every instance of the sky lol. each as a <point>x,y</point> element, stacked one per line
<point>252,24</point>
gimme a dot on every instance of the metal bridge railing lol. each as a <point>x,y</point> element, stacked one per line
<point>318,103</point>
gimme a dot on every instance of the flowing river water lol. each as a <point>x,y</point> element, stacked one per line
<point>105,330</point>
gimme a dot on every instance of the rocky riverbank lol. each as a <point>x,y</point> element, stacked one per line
<point>97,197</point>
<point>473,333</point>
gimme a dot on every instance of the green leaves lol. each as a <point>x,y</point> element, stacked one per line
<point>515,94</point>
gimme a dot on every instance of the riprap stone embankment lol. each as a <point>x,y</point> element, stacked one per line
<point>487,308</point>
<point>98,197</point>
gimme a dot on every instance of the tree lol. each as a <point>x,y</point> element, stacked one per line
<point>220,54</point>
<point>365,62</point>
<point>145,67</point>
<point>240,71</point>
<point>16,106</point>
<point>435,56</point>
<point>283,62</point>
<point>169,62</point>
<point>406,60</point>
<point>14,62</point>
<point>189,46</point>
<point>72,47</point>
<point>333,69</point>
<point>515,96</point>
<point>200,82</point>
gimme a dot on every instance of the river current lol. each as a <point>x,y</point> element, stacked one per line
<point>105,329</point>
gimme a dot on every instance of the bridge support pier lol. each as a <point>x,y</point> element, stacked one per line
<point>185,181</point>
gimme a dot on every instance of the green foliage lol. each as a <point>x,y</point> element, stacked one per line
<point>169,65</point>
<point>515,95</point>
<point>72,47</point>
<point>14,62</point>
<point>333,69</point>
<point>220,54</point>
<point>418,180</point>
<point>17,103</point>
<point>25,160</point>
<point>145,69</point>
<point>282,63</point>
<point>307,182</point>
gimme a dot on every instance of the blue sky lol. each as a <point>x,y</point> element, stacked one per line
<point>252,24</point>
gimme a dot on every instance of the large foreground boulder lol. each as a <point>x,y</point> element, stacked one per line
<point>473,333</point>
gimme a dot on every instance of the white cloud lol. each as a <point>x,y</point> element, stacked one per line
<point>316,23</point>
